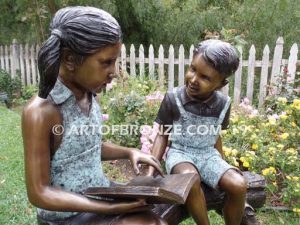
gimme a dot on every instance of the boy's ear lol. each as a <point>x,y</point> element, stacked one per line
<point>68,59</point>
<point>224,82</point>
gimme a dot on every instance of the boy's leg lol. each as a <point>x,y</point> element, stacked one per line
<point>235,188</point>
<point>195,202</point>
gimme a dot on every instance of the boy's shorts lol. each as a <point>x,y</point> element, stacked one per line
<point>208,162</point>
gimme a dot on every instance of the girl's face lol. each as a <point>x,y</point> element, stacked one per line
<point>201,79</point>
<point>98,69</point>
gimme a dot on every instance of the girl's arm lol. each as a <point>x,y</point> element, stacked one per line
<point>219,146</point>
<point>111,151</point>
<point>159,146</point>
<point>38,118</point>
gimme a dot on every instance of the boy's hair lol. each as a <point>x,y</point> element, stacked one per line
<point>82,30</point>
<point>221,55</point>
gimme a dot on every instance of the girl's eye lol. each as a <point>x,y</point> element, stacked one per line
<point>192,69</point>
<point>108,62</point>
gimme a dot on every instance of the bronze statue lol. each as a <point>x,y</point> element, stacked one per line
<point>76,62</point>
<point>196,113</point>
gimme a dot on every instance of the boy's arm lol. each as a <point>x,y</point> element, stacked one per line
<point>158,149</point>
<point>219,146</point>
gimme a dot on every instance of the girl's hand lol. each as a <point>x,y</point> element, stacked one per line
<point>136,157</point>
<point>125,207</point>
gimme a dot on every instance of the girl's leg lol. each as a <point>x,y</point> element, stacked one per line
<point>195,202</point>
<point>144,218</point>
<point>235,188</point>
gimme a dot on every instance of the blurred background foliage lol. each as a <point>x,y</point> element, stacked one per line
<point>166,22</point>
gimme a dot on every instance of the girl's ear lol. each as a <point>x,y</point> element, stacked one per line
<point>68,59</point>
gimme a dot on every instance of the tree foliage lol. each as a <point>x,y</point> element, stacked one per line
<point>166,22</point>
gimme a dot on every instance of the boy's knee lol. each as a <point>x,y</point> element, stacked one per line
<point>234,183</point>
<point>239,186</point>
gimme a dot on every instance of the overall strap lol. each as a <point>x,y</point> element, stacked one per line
<point>178,102</point>
<point>225,109</point>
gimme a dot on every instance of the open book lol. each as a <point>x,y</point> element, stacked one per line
<point>169,189</point>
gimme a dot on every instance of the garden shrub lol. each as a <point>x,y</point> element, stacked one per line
<point>132,102</point>
<point>11,86</point>
<point>268,142</point>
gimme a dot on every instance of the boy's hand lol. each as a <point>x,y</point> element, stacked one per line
<point>136,157</point>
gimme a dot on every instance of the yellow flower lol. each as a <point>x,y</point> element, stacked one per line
<point>234,152</point>
<point>272,121</point>
<point>254,146</point>
<point>288,177</point>
<point>224,132</point>
<point>283,116</point>
<point>296,104</point>
<point>265,172</point>
<point>280,146</point>
<point>243,159</point>
<point>296,101</point>
<point>284,136</point>
<point>246,164</point>
<point>234,119</point>
<point>293,124</point>
<point>282,99</point>
<point>295,178</point>
<point>270,170</point>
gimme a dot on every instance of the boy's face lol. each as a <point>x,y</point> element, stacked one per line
<point>201,79</point>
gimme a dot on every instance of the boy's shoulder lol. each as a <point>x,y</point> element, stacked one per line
<point>220,99</point>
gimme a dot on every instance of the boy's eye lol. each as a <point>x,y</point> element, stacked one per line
<point>205,78</point>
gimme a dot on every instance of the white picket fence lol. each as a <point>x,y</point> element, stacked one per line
<point>23,58</point>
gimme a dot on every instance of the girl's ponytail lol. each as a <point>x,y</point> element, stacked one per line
<point>49,63</point>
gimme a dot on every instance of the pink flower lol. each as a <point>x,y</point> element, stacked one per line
<point>109,86</point>
<point>143,139</point>
<point>274,116</point>
<point>153,136</point>
<point>105,117</point>
<point>155,96</point>
<point>146,130</point>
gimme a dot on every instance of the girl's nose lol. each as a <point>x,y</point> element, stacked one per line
<point>194,80</point>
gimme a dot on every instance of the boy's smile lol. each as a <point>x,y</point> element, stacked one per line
<point>202,79</point>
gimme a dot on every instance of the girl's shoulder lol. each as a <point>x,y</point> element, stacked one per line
<point>39,110</point>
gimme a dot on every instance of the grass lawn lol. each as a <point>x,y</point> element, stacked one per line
<point>14,206</point>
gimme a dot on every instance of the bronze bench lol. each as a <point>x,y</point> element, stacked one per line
<point>256,197</point>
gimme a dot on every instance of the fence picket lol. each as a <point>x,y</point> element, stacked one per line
<point>27,63</point>
<point>142,61</point>
<point>171,69</point>
<point>277,60</point>
<point>151,62</point>
<point>123,59</point>
<point>2,64</point>
<point>33,66</point>
<point>161,65</point>
<point>238,80</point>
<point>292,63</point>
<point>191,53</point>
<point>15,64</point>
<point>22,65</point>
<point>132,61</point>
<point>250,80</point>
<point>181,66</point>
<point>7,68</point>
<point>264,76</point>
<point>37,48</point>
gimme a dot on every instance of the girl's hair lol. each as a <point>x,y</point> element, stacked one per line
<point>82,30</point>
<point>221,55</point>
